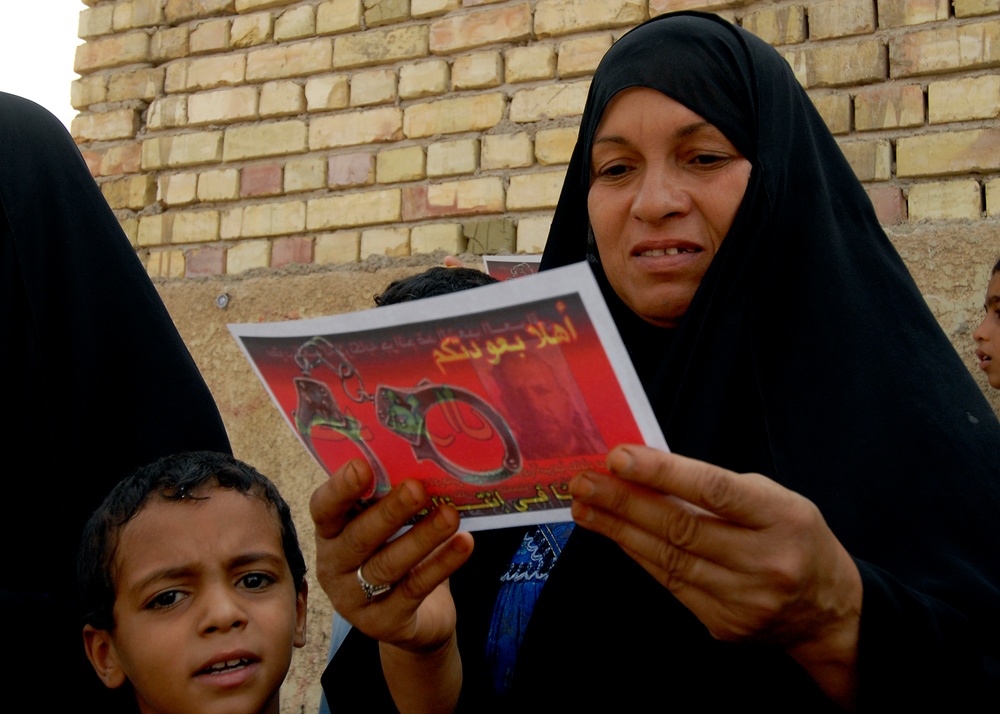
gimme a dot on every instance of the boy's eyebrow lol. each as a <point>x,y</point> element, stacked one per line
<point>187,571</point>
<point>991,300</point>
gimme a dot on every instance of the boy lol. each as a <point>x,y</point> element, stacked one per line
<point>987,335</point>
<point>194,587</point>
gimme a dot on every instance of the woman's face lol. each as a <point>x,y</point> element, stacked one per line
<point>665,186</point>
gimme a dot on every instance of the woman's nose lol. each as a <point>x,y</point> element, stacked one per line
<point>659,195</point>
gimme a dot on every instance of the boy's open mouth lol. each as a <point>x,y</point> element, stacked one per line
<point>227,666</point>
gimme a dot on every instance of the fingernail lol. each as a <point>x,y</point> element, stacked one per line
<point>582,513</point>
<point>582,487</point>
<point>620,461</point>
<point>409,494</point>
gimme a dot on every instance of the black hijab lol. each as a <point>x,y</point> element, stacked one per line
<point>98,380</point>
<point>808,353</point>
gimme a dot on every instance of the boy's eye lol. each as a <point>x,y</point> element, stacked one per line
<point>165,599</point>
<point>256,581</point>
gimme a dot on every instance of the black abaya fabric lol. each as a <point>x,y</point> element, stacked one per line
<point>99,383</point>
<point>808,355</point>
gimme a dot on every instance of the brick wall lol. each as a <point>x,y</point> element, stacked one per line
<point>238,134</point>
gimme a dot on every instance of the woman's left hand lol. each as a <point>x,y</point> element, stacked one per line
<point>752,560</point>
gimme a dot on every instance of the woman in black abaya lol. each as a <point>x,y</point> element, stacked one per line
<point>98,384</point>
<point>849,465</point>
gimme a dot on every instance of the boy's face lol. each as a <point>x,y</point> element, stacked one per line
<point>206,612</point>
<point>987,335</point>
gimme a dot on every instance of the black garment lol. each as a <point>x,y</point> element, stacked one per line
<point>98,383</point>
<point>808,355</point>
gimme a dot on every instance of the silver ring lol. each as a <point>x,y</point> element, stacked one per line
<point>371,589</point>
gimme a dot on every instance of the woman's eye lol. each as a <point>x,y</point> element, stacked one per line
<point>256,581</point>
<point>613,171</point>
<point>165,599</point>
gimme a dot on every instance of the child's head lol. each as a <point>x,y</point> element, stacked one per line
<point>435,281</point>
<point>194,586</point>
<point>987,335</point>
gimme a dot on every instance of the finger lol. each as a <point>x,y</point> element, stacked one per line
<point>644,520</point>
<point>369,531</point>
<point>394,562</point>
<point>333,500</point>
<point>751,500</point>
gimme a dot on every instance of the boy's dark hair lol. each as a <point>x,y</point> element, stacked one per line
<point>436,281</point>
<point>172,478</point>
<point>996,268</point>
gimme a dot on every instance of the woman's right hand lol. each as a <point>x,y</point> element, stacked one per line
<point>418,614</point>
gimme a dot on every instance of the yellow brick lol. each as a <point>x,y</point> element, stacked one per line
<point>889,107</point>
<point>449,116</point>
<point>219,185</point>
<point>562,17</point>
<point>397,165</point>
<point>338,16</point>
<point>145,84</point>
<point>281,97</point>
<point>88,90</point>
<point>118,124</point>
<point>340,247</point>
<point>532,233</point>
<point>177,189</point>
<point>380,46</point>
<point>430,8</point>
<point>454,198</point>
<point>945,49</point>
<point>251,30</point>
<point>95,21</point>
<point>166,264</point>
<point>353,209</point>
<point>954,152</point>
<point>295,23</point>
<point>194,226</point>
<point>975,8</point>
<point>509,23</point>
<point>385,241</point>
<point>283,137</point>
<point>993,198</point>
<point>385,12</point>
<point>205,73</point>
<point>356,128</point>
<point>168,44</point>
<point>132,192</point>
<point>330,91</point>
<point>423,79</point>
<point>841,18</point>
<point>451,158</point>
<point>507,151</point>
<point>871,160</point>
<point>137,13</point>
<point>581,57</point>
<point>555,146</point>
<point>251,5</point>
<point>181,10</point>
<point>373,87</point>
<point>531,63</point>
<point>428,238</point>
<point>778,26</point>
<point>531,191</point>
<point>222,106</point>
<point>294,60</point>
<point>268,219</point>
<point>130,226</point>
<point>549,101</point>
<point>150,231</point>
<point>835,108</point>
<point>167,112</point>
<point>951,200</point>
<point>964,99</point>
<point>477,71</point>
<point>840,64</point>
<point>210,36</point>
<point>247,255</point>
<point>305,174</point>
<point>113,51</point>
<point>899,13</point>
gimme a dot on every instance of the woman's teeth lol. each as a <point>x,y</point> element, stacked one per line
<point>667,251</point>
